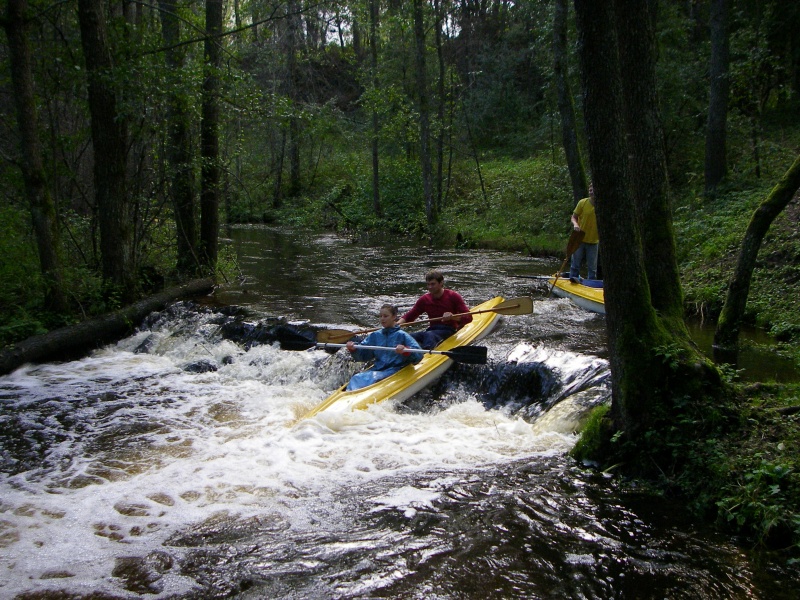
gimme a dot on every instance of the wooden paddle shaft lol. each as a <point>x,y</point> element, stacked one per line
<point>512,306</point>
<point>575,239</point>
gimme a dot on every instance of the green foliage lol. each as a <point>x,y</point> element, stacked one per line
<point>21,291</point>
<point>347,203</point>
<point>672,355</point>
<point>764,499</point>
<point>526,204</point>
<point>708,237</point>
<point>759,471</point>
<point>682,74</point>
<point>17,258</point>
<point>228,268</point>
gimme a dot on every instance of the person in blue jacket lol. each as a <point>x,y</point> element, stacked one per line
<point>386,362</point>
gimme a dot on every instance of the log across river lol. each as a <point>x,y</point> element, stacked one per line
<point>171,464</point>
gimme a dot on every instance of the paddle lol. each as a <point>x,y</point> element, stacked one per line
<point>475,355</point>
<point>575,239</point>
<point>514,306</point>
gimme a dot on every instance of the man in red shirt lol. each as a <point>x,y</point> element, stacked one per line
<point>439,302</point>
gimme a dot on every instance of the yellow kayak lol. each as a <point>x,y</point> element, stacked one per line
<point>588,298</point>
<point>413,378</point>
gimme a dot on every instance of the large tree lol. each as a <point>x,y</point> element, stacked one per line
<point>110,145</point>
<point>423,96</point>
<point>179,142</point>
<point>658,375</point>
<point>716,162</point>
<point>42,208</point>
<point>209,138</point>
<point>647,158</point>
<point>566,105</point>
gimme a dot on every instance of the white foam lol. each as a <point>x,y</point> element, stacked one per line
<point>213,443</point>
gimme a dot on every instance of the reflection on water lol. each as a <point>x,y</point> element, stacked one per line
<point>753,360</point>
<point>172,464</point>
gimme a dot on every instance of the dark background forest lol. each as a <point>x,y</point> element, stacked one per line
<point>431,119</point>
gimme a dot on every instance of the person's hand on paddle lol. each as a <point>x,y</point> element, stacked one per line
<point>351,346</point>
<point>401,349</point>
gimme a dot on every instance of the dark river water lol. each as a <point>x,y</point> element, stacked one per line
<point>175,464</point>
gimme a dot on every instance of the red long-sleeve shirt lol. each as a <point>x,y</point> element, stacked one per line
<point>450,301</point>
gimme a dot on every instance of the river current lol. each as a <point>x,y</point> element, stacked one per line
<point>175,463</point>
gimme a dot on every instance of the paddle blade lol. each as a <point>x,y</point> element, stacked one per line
<point>335,336</point>
<point>575,239</point>
<point>473,355</point>
<point>291,340</point>
<point>515,306</point>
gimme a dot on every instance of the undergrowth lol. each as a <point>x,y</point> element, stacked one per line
<point>759,471</point>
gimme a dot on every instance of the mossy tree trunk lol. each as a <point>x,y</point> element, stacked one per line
<point>648,163</point>
<point>657,373</point>
<point>730,318</point>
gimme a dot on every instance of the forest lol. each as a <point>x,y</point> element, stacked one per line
<point>134,132</point>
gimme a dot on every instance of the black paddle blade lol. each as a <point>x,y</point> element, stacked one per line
<point>293,340</point>
<point>473,355</point>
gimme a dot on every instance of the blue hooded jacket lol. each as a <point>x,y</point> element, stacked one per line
<point>387,362</point>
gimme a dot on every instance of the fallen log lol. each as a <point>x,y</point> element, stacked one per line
<point>76,340</point>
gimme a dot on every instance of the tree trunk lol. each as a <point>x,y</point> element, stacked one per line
<point>629,331</point>
<point>647,157</point>
<point>373,49</point>
<point>179,145</point>
<point>109,140</point>
<point>739,288</point>
<point>209,139</point>
<point>43,212</point>
<point>292,46</point>
<point>657,373</point>
<point>75,340</point>
<point>566,107</point>
<point>716,166</point>
<point>442,100</point>
<point>277,186</point>
<point>424,114</point>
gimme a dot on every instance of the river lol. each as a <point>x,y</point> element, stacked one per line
<point>174,463</point>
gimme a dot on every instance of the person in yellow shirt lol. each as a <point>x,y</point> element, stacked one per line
<point>584,219</point>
